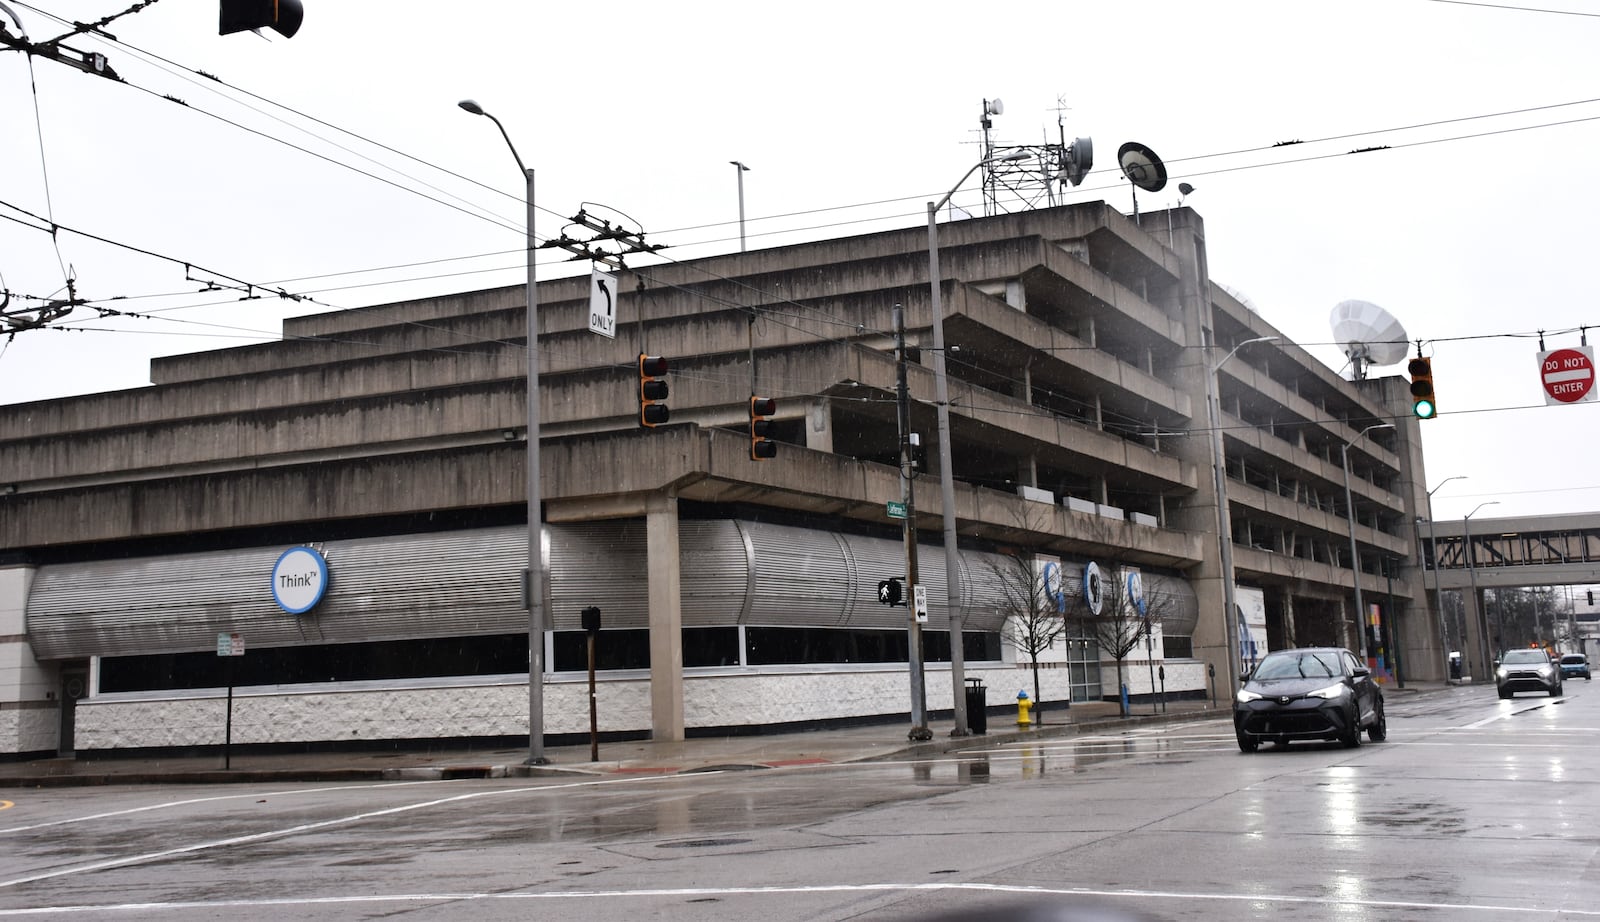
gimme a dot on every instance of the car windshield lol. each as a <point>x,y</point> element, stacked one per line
<point>1573,658</point>
<point>1319,665</point>
<point>1525,656</point>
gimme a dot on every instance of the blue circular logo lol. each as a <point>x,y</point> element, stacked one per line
<point>299,579</point>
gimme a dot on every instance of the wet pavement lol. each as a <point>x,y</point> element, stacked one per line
<point>862,743</point>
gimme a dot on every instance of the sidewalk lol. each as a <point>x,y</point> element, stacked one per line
<point>867,743</point>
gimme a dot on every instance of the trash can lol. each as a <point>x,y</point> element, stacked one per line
<point>977,706</point>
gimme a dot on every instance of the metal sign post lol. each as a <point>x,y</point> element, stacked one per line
<point>229,645</point>
<point>591,626</point>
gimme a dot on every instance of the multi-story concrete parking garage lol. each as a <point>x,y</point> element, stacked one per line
<point>388,443</point>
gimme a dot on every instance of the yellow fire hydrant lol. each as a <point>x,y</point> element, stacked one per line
<point>1024,705</point>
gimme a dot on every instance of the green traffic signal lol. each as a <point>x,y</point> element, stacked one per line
<point>1422,398</point>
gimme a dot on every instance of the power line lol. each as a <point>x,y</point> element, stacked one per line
<point>1519,9</point>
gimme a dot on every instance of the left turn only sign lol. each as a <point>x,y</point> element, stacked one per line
<point>603,304</point>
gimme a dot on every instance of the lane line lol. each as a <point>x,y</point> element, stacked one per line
<point>325,824</point>
<point>1343,903</point>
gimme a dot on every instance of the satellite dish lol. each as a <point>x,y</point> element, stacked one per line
<point>1368,334</point>
<point>1142,167</point>
<point>994,107</point>
<point>1080,159</point>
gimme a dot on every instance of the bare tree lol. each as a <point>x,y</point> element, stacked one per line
<point>1126,615</point>
<point>1033,619</point>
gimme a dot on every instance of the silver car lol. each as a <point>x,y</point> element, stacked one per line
<point>1527,670</point>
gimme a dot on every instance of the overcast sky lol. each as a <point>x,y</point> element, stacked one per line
<point>1474,227</point>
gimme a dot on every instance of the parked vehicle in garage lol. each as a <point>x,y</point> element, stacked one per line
<point>1311,693</point>
<point>1527,670</point>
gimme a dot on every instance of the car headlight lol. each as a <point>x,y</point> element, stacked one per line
<point>1546,671</point>
<point>1500,673</point>
<point>1246,696</point>
<point>1332,691</point>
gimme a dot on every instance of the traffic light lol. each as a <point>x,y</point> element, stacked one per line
<point>281,16</point>
<point>761,447</point>
<point>651,390</point>
<point>1422,402</point>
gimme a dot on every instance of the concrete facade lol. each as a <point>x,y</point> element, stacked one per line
<point>1081,347</point>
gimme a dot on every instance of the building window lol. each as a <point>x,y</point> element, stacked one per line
<point>494,654</point>
<point>507,654</point>
<point>1177,647</point>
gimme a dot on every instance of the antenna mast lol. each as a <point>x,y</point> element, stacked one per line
<point>1027,182</point>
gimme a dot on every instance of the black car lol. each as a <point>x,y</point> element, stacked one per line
<point>1312,693</point>
<point>1527,670</point>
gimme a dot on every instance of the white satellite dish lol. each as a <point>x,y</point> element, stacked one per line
<point>1368,334</point>
<point>1143,169</point>
<point>994,107</point>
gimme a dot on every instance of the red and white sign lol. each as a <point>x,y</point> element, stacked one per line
<point>1567,375</point>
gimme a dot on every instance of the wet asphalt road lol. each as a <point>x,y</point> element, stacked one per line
<point>1474,809</point>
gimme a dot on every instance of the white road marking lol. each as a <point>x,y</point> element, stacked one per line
<point>324,824</point>
<point>1342,903</point>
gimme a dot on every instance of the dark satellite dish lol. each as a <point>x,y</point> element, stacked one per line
<point>1143,169</point>
<point>1079,160</point>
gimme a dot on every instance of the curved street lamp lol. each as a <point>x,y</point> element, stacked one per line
<point>1482,616</point>
<point>947,487</point>
<point>1438,603</point>
<point>1230,605</point>
<point>1350,521</point>
<point>534,584</point>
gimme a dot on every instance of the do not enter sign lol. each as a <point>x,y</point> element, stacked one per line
<point>1567,375</point>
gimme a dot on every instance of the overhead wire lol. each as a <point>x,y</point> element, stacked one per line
<point>771,304</point>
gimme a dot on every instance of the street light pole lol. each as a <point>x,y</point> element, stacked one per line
<point>947,485</point>
<point>1224,515</point>
<point>1355,555</point>
<point>534,582</point>
<point>741,170</point>
<point>1438,601</point>
<point>1472,578</point>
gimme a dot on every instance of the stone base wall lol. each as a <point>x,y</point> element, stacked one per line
<point>501,708</point>
<point>28,730</point>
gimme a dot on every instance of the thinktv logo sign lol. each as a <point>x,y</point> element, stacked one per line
<point>299,579</point>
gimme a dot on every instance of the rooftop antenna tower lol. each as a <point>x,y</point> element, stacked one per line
<point>1012,183</point>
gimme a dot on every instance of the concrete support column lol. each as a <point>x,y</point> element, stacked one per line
<point>666,618</point>
<point>1475,661</point>
<point>30,712</point>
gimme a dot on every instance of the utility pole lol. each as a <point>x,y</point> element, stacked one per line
<point>919,692</point>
